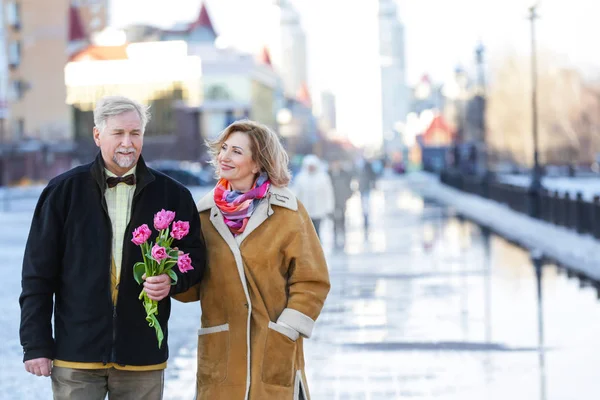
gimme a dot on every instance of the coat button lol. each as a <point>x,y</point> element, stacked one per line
<point>246,305</point>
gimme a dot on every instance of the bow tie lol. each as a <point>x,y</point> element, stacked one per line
<point>115,180</point>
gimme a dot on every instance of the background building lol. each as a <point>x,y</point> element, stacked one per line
<point>426,95</point>
<point>327,115</point>
<point>194,91</point>
<point>4,71</point>
<point>394,92</point>
<point>288,47</point>
<point>35,121</point>
<point>39,43</point>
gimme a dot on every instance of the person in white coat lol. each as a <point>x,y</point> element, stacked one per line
<point>313,188</point>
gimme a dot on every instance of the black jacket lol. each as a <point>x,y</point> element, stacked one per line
<point>68,258</point>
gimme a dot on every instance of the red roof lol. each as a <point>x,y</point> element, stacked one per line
<point>265,57</point>
<point>303,95</point>
<point>438,133</point>
<point>203,21</point>
<point>97,53</point>
<point>439,123</point>
<point>76,31</point>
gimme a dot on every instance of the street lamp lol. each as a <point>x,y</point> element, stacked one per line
<point>284,116</point>
<point>480,99</point>
<point>536,177</point>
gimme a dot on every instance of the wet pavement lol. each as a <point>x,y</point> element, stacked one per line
<point>431,307</point>
<point>423,306</point>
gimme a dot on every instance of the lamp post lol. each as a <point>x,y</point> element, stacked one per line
<point>480,102</point>
<point>483,147</point>
<point>536,178</point>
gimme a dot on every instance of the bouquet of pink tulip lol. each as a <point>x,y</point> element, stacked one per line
<point>160,259</point>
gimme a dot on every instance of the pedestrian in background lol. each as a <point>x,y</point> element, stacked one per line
<point>341,179</point>
<point>366,182</point>
<point>313,188</point>
<point>267,278</point>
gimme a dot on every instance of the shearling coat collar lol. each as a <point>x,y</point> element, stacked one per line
<point>277,196</point>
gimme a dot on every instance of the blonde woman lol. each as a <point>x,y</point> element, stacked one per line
<point>266,278</point>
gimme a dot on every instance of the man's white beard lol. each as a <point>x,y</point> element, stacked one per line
<point>124,160</point>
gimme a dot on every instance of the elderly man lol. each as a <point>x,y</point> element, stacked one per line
<point>79,259</point>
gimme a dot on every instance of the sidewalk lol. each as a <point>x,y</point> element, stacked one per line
<point>392,327</point>
<point>576,251</point>
<point>425,306</point>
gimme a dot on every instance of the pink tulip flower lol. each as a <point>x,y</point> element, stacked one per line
<point>159,253</point>
<point>184,262</point>
<point>163,219</point>
<point>180,229</point>
<point>141,234</point>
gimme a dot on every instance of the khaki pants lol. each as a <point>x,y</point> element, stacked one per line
<point>95,384</point>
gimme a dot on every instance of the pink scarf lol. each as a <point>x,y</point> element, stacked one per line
<point>237,207</point>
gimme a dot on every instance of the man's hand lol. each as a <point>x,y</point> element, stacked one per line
<point>157,287</point>
<point>39,366</point>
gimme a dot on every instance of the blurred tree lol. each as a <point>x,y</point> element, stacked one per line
<point>569,122</point>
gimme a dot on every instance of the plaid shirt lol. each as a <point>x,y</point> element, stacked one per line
<point>118,202</point>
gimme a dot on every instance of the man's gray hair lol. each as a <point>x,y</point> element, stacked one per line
<point>110,106</point>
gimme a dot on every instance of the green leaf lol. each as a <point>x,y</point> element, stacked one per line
<point>151,308</point>
<point>173,276</point>
<point>138,270</point>
<point>170,263</point>
<point>153,323</point>
<point>159,333</point>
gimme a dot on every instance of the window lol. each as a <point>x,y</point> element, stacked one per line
<point>13,15</point>
<point>217,92</point>
<point>14,54</point>
<point>17,89</point>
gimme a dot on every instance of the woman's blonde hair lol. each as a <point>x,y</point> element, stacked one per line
<point>267,150</point>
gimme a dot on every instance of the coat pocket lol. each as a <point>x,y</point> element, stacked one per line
<point>213,353</point>
<point>279,355</point>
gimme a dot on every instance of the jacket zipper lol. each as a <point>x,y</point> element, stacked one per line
<point>114,308</point>
<point>114,315</point>
<point>113,352</point>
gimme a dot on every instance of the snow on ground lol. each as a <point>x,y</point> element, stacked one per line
<point>588,186</point>
<point>579,252</point>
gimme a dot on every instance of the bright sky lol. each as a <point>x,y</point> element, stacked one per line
<point>440,34</point>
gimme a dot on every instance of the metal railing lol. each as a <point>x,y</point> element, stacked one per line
<point>555,207</point>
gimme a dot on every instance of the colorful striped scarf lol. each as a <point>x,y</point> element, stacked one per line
<point>237,207</point>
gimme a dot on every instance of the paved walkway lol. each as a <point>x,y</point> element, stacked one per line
<point>397,316</point>
<point>432,307</point>
<point>424,306</point>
